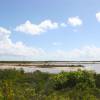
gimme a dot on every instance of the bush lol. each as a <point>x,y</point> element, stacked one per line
<point>79,85</point>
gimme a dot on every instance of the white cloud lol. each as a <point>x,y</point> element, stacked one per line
<point>34,29</point>
<point>98,16</point>
<point>85,53</point>
<point>4,33</point>
<point>7,47</point>
<point>74,21</point>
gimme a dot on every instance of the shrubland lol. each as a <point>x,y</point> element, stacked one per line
<point>78,85</point>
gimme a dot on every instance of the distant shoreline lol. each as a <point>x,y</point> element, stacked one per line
<point>47,61</point>
<point>44,64</point>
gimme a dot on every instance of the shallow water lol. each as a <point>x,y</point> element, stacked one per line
<point>94,67</point>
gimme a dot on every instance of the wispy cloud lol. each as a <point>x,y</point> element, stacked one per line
<point>57,43</point>
<point>98,16</point>
<point>35,29</point>
<point>63,24</point>
<point>4,33</point>
<point>84,53</point>
<point>74,21</point>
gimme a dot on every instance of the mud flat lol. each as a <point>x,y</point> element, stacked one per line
<point>51,66</point>
<point>46,63</point>
<point>44,66</point>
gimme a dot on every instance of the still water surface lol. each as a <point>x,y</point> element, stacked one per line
<point>94,67</point>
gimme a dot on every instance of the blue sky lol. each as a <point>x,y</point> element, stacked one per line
<point>49,30</point>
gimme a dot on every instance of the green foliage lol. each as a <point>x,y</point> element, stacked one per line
<point>79,85</point>
<point>72,79</point>
<point>97,78</point>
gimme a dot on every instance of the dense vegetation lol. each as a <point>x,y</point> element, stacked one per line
<point>18,85</point>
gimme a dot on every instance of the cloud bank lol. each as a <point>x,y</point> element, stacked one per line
<point>84,53</point>
<point>7,47</point>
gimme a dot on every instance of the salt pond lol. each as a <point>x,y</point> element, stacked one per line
<point>95,67</point>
